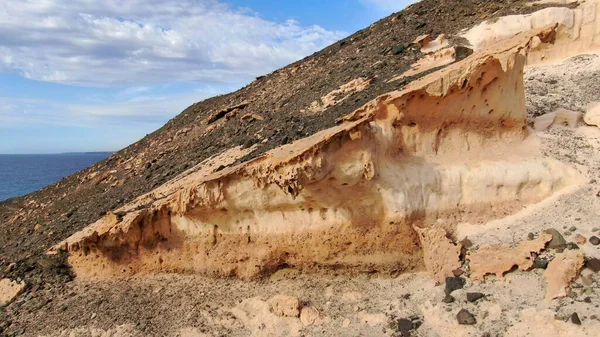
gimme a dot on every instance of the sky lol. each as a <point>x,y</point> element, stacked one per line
<point>87,75</point>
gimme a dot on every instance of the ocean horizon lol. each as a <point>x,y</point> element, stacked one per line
<point>21,174</point>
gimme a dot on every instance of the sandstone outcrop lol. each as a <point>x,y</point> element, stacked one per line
<point>10,289</point>
<point>592,115</point>
<point>578,31</point>
<point>498,260</point>
<point>561,272</point>
<point>448,147</point>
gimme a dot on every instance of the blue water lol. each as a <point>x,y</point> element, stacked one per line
<point>21,174</point>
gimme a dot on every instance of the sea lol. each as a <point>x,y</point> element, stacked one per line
<point>21,174</point>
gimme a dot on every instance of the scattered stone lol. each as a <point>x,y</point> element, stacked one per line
<point>595,229</point>
<point>593,265</point>
<point>448,299</point>
<point>558,241</point>
<point>404,325</point>
<point>398,49</point>
<point>472,297</point>
<point>10,289</point>
<point>559,317</point>
<point>575,319</point>
<point>592,115</point>
<point>441,256</point>
<point>572,246</point>
<point>309,316</point>
<point>573,228</point>
<point>587,300</point>
<point>464,317</point>
<point>466,243</point>
<point>346,323</point>
<point>457,272</point>
<point>252,116</point>
<point>530,236</point>
<point>500,259</point>
<point>282,305</point>
<point>567,233</point>
<point>453,283</point>
<point>586,281</point>
<point>10,268</point>
<point>540,263</point>
<point>561,272</point>
<point>594,240</point>
<point>580,239</point>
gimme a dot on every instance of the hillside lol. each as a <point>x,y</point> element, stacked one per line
<point>299,104</point>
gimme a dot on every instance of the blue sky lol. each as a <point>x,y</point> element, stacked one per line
<point>99,75</point>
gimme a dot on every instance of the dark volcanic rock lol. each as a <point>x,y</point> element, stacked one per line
<point>540,263</point>
<point>575,319</point>
<point>404,325</point>
<point>464,317</point>
<point>453,283</point>
<point>448,299</point>
<point>466,243</point>
<point>558,241</point>
<point>593,264</point>
<point>594,240</point>
<point>472,297</point>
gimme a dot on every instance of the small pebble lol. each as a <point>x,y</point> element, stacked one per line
<point>472,297</point>
<point>573,228</point>
<point>580,239</point>
<point>593,265</point>
<point>448,299</point>
<point>594,240</point>
<point>465,317</point>
<point>466,243</point>
<point>587,300</point>
<point>575,319</point>
<point>540,263</point>
<point>453,283</point>
<point>586,281</point>
<point>530,236</point>
<point>557,241</point>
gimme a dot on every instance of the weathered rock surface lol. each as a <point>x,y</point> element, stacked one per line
<point>287,306</point>
<point>10,289</point>
<point>578,31</point>
<point>561,271</point>
<point>592,115</point>
<point>440,255</point>
<point>500,259</point>
<point>444,143</point>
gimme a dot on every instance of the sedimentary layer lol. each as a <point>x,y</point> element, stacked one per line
<point>452,146</point>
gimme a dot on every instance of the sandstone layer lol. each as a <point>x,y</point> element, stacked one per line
<point>449,147</point>
<point>578,31</point>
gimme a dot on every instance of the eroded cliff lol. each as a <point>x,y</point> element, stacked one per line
<point>452,146</point>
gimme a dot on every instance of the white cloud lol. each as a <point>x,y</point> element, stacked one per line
<point>139,42</point>
<point>141,109</point>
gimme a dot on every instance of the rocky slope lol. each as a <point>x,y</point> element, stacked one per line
<point>213,140</point>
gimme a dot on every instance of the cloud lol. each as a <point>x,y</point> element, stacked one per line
<point>134,111</point>
<point>139,43</point>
